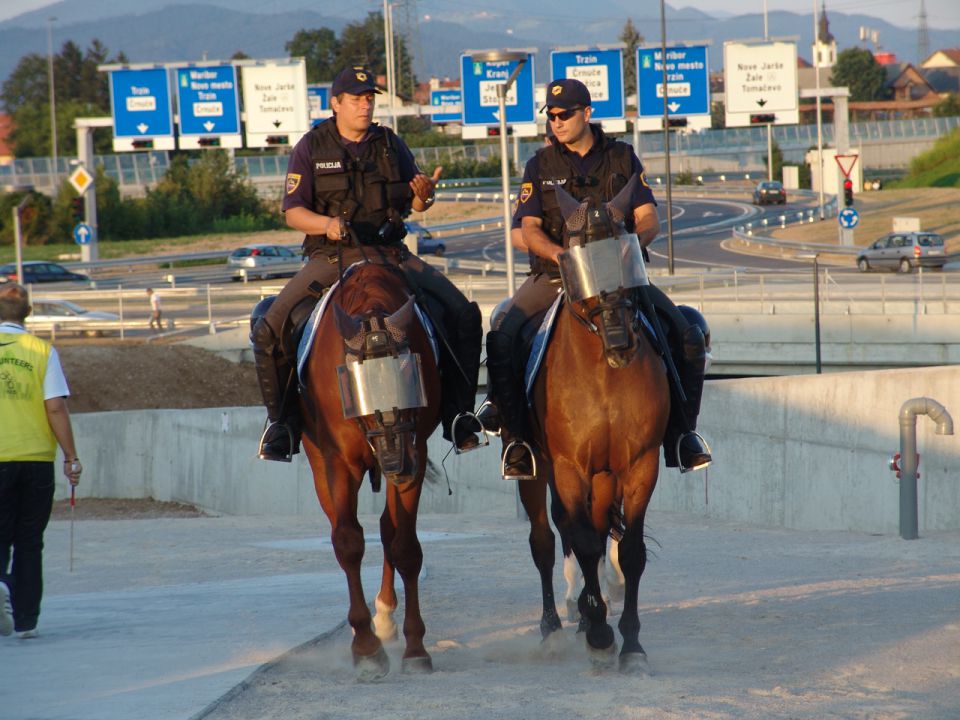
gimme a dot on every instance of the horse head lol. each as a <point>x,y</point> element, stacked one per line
<point>601,268</point>
<point>381,384</point>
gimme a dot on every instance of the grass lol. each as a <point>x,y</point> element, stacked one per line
<point>938,167</point>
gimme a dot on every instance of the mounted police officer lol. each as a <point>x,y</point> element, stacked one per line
<point>590,166</point>
<point>350,183</point>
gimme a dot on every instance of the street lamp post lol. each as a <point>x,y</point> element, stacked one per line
<point>53,107</point>
<point>18,225</point>
<point>502,90</point>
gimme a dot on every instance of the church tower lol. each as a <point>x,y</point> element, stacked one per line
<point>825,45</point>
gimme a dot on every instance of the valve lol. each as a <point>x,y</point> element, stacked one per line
<point>894,464</point>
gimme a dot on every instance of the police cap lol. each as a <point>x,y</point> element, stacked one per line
<point>567,94</point>
<point>354,80</point>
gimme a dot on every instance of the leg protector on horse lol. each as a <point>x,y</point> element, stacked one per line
<point>459,392</point>
<point>683,447</point>
<point>281,439</point>
<point>506,390</point>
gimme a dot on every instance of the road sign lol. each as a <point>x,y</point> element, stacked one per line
<point>318,99</point>
<point>142,113</point>
<point>81,180</point>
<point>760,79</point>
<point>82,234</point>
<point>846,163</point>
<point>275,103</point>
<point>478,83</point>
<point>209,106</point>
<point>446,106</point>
<point>848,218</point>
<point>688,86</point>
<point>601,71</point>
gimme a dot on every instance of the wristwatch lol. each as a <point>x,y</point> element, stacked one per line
<point>430,200</point>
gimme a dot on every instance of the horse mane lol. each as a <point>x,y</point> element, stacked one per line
<point>372,288</point>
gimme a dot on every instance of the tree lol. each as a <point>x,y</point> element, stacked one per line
<point>363,44</point>
<point>632,39</point>
<point>320,48</point>
<point>948,107</point>
<point>857,69</point>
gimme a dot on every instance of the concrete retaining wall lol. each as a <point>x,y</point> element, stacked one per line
<point>806,452</point>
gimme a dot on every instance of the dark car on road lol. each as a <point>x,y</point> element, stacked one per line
<point>769,192</point>
<point>40,271</point>
<point>904,251</point>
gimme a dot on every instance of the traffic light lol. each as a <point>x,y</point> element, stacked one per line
<point>762,119</point>
<point>77,209</point>
<point>848,192</point>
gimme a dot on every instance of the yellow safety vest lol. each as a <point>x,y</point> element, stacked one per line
<point>25,432</point>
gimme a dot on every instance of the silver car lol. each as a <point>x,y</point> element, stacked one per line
<point>263,260</point>
<point>904,251</point>
<point>66,316</point>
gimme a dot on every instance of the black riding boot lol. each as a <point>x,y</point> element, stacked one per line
<point>459,380</point>
<point>506,391</point>
<point>683,446</point>
<point>281,440</point>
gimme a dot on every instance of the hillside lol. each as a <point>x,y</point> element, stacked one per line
<point>938,167</point>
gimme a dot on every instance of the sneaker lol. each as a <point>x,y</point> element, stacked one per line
<point>6,610</point>
<point>27,634</point>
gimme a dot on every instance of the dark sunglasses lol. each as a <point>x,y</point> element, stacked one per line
<point>564,115</point>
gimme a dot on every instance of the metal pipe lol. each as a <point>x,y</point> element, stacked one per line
<point>666,132</point>
<point>908,456</point>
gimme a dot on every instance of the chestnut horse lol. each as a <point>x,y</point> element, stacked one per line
<point>600,408</point>
<point>372,310</point>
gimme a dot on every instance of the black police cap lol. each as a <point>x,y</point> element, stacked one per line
<point>567,94</point>
<point>355,80</point>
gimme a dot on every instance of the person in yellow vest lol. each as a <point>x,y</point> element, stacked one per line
<point>34,420</point>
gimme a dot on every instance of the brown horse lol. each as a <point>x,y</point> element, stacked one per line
<point>600,409</point>
<point>373,320</point>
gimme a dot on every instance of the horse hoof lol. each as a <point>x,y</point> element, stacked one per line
<point>602,659</point>
<point>370,668</point>
<point>634,663</point>
<point>417,665</point>
<point>549,624</point>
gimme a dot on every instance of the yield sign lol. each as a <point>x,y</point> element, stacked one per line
<point>81,180</point>
<point>846,163</point>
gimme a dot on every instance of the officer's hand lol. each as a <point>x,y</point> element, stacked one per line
<point>337,229</point>
<point>424,187</point>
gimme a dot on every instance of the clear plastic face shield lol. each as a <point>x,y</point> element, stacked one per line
<point>602,266</point>
<point>381,384</point>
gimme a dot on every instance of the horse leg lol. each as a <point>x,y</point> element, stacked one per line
<point>574,579</point>
<point>533,496</point>
<point>614,574</point>
<point>386,601</point>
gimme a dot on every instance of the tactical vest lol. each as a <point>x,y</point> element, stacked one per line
<point>368,192</point>
<point>610,174</point>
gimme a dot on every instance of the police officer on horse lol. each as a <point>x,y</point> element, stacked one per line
<point>589,166</point>
<point>350,183</point>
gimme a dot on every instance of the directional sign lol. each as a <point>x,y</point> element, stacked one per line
<point>81,180</point>
<point>209,105</point>
<point>446,106</point>
<point>760,79</point>
<point>142,113</point>
<point>848,218</point>
<point>275,103</point>
<point>318,98</point>
<point>82,234</point>
<point>688,86</point>
<point>601,71</point>
<point>479,81</point>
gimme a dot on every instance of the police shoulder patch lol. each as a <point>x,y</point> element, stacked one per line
<point>526,190</point>
<point>643,179</point>
<point>293,182</point>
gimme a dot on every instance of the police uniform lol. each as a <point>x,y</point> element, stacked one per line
<point>367,184</point>
<point>599,175</point>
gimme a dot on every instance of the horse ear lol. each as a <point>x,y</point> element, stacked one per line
<point>401,319</point>
<point>619,207</point>
<point>348,326</point>
<point>574,212</point>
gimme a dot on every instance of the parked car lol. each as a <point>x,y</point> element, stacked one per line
<point>768,192</point>
<point>40,271</point>
<point>68,317</point>
<point>262,260</point>
<point>904,251</point>
<point>425,242</point>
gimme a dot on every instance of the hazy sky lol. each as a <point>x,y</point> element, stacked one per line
<point>941,14</point>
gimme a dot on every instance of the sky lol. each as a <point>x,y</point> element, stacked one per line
<point>940,13</point>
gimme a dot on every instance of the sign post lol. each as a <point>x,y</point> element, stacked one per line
<point>687,91</point>
<point>209,107</point>
<point>601,70</point>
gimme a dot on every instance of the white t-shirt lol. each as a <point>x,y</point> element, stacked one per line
<point>54,382</point>
<point>154,301</point>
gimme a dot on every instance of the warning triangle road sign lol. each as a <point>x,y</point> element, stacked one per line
<point>846,163</point>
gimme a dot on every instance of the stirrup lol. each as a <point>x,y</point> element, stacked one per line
<point>485,405</point>
<point>264,455</point>
<point>704,463</point>
<point>484,437</point>
<point>533,462</point>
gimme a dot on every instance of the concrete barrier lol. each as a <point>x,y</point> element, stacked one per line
<point>805,452</point>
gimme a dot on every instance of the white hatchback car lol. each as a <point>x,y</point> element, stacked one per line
<point>67,316</point>
<point>263,260</point>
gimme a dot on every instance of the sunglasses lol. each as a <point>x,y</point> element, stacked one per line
<point>564,115</point>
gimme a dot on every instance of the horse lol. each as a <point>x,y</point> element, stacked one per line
<point>600,407</point>
<point>373,344</point>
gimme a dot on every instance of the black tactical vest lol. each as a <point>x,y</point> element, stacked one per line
<point>610,174</point>
<point>368,191</point>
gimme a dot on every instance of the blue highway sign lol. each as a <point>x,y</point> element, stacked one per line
<point>848,218</point>
<point>208,100</point>
<point>601,71</point>
<point>82,234</point>
<point>446,106</point>
<point>688,81</point>
<point>140,100</point>
<point>318,100</point>
<point>479,81</point>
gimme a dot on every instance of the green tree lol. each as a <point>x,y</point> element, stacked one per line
<point>857,69</point>
<point>320,48</point>
<point>948,107</point>
<point>362,43</point>
<point>777,154</point>
<point>630,37</point>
